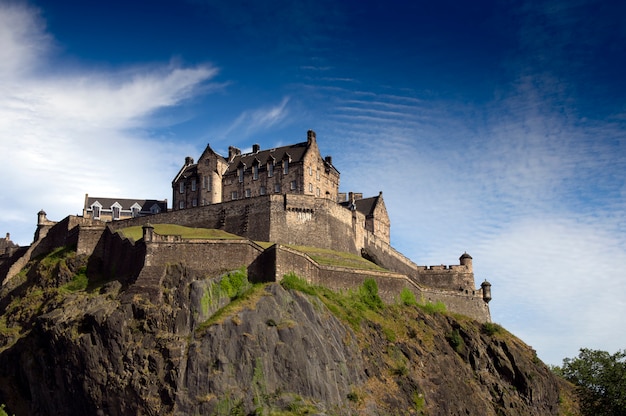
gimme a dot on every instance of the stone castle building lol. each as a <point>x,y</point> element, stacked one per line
<point>286,196</point>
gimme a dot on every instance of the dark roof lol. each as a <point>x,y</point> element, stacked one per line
<point>187,172</point>
<point>295,153</point>
<point>126,204</point>
<point>364,205</point>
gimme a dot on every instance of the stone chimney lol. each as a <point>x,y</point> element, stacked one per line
<point>232,152</point>
<point>188,161</point>
<point>310,136</point>
<point>256,147</point>
<point>329,160</point>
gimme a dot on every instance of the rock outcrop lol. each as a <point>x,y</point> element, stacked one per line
<point>100,348</point>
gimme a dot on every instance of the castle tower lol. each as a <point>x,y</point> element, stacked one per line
<point>466,260</point>
<point>486,286</point>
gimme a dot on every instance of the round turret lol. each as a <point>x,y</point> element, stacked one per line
<point>486,286</point>
<point>41,217</point>
<point>466,260</point>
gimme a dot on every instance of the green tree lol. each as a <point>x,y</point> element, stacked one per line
<point>601,381</point>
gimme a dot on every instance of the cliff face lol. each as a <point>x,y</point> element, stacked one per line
<point>107,350</point>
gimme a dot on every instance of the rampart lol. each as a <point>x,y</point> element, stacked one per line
<point>281,219</point>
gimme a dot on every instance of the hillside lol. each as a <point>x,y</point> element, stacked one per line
<point>74,342</point>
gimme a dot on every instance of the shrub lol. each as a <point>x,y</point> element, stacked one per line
<point>430,308</point>
<point>407,297</point>
<point>491,328</point>
<point>368,294</point>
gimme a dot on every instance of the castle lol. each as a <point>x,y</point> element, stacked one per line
<point>288,196</point>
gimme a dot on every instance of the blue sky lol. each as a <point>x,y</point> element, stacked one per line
<point>496,128</point>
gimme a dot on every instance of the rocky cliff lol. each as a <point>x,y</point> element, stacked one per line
<point>74,342</point>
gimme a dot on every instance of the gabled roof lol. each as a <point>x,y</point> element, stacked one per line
<point>126,204</point>
<point>294,153</point>
<point>365,206</point>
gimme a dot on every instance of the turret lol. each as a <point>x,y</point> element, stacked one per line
<point>486,286</point>
<point>466,260</point>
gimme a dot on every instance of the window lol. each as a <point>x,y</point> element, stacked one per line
<point>317,192</point>
<point>317,175</point>
<point>134,212</point>
<point>203,202</point>
<point>193,184</point>
<point>207,183</point>
<point>270,169</point>
<point>262,190</point>
<point>310,171</point>
<point>240,172</point>
<point>194,202</point>
<point>181,188</point>
<point>255,172</point>
<point>96,211</point>
<point>233,195</point>
<point>311,187</point>
<point>116,212</point>
<point>277,188</point>
<point>293,185</point>
<point>248,193</point>
<point>285,166</point>
<point>155,209</point>
<point>181,204</point>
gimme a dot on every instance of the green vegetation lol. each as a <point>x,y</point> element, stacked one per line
<point>431,308</point>
<point>234,286</point>
<point>351,306</point>
<point>328,257</point>
<point>456,341</point>
<point>2,411</point>
<point>78,282</point>
<point>600,378</point>
<point>407,298</point>
<point>136,232</point>
<point>492,329</point>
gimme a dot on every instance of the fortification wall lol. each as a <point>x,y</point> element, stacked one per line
<point>116,257</point>
<point>210,257</point>
<point>390,284</point>
<point>306,220</point>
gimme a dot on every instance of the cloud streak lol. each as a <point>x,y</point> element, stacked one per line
<point>81,131</point>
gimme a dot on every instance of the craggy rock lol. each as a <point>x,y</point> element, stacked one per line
<point>111,351</point>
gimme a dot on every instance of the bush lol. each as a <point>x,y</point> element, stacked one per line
<point>430,308</point>
<point>407,297</point>
<point>491,328</point>
<point>368,294</point>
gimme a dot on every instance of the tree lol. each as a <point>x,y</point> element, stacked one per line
<point>601,381</point>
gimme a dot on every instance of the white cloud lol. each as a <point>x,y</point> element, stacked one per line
<point>80,131</point>
<point>252,121</point>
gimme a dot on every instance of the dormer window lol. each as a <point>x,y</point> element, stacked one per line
<point>255,171</point>
<point>96,211</point>
<point>285,166</point>
<point>135,210</point>
<point>270,169</point>
<point>181,187</point>
<point>240,172</point>
<point>115,209</point>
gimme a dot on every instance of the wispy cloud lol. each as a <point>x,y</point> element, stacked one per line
<point>252,121</point>
<point>67,133</point>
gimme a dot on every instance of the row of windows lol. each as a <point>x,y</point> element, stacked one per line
<point>115,212</point>
<point>206,184</point>
<point>255,170</point>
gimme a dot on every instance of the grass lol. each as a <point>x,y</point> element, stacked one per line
<point>136,232</point>
<point>328,257</point>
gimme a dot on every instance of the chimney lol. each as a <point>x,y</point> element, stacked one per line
<point>8,238</point>
<point>255,148</point>
<point>329,160</point>
<point>232,152</point>
<point>310,136</point>
<point>188,161</point>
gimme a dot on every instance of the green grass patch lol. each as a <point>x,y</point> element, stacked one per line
<point>78,282</point>
<point>136,232</point>
<point>491,329</point>
<point>407,298</point>
<point>328,257</point>
<point>431,308</point>
<point>247,299</point>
